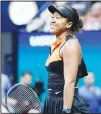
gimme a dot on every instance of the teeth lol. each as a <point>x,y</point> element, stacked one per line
<point>52,24</point>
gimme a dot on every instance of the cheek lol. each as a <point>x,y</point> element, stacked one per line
<point>59,27</point>
<point>54,28</point>
<point>63,26</point>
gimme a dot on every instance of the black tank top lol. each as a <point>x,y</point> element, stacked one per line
<point>54,65</point>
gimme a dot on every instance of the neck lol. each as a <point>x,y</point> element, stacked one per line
<point>61,36</point>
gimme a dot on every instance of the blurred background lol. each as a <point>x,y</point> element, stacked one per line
<point>25,47</point>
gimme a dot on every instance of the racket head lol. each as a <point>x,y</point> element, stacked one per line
<point>20,99</point>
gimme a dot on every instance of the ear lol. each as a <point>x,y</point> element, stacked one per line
<point>69,25</point>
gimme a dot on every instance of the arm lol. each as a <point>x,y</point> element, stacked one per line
<point>71,58</point>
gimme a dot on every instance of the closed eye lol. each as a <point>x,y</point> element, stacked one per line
<point>58,17</point>
<point>52,16</point>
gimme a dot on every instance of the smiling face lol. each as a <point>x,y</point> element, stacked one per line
<point>58,24</point>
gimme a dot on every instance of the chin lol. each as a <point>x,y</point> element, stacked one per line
<point>53,32</point>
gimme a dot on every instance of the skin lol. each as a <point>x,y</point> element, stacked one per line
<point>71,54</point>
<point>27,79</point>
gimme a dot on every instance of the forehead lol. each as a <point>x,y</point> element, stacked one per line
<point>27,75</point>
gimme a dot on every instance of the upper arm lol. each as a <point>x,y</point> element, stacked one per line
<point>71,59</point>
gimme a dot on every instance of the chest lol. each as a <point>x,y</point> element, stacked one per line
<point>55,54</point>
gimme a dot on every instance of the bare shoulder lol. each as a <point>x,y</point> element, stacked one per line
<point>72,51</point>
<point>72,44</point>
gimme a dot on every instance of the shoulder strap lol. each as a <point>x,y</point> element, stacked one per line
<point>68,37</point>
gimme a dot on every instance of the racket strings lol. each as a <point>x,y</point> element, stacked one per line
<point>13,93</point>
<point>16,109</point>
<point>24,95</point>
<point>35,105</point>
<point>19,107</point>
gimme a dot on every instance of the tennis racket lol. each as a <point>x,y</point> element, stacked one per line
<point>22,99</point>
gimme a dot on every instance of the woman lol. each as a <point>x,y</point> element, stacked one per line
<point>65,63</point>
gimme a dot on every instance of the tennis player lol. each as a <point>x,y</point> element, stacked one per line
<point>65,63</point>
